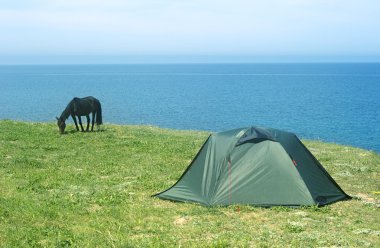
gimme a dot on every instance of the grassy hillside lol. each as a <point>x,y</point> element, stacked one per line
<point>94,190</point>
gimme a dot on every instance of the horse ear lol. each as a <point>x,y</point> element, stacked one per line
<point>57,118</point>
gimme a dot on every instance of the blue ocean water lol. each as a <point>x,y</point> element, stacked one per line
<point>332,102</point>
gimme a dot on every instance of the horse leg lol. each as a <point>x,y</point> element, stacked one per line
<point>88,122</point>
<point>80,123</point>
<point>93,121</point>
<point>75,121</point>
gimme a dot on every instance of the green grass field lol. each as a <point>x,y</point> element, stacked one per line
<point>94,190</point>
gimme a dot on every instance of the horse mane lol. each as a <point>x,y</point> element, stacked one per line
<point>67,111</point>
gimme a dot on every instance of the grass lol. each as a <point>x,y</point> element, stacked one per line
<point>94,190</point>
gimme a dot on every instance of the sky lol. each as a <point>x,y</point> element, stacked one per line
<point>127,31</point>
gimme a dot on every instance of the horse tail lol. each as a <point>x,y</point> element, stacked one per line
<point>99,120</point>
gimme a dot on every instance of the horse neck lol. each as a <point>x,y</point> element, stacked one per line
<point>66,113</point>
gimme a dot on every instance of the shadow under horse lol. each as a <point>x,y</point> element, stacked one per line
<point>81,107</point>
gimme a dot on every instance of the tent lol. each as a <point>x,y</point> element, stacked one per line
<point>255,166</point>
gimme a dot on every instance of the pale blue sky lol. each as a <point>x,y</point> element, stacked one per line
<point>116,31</point>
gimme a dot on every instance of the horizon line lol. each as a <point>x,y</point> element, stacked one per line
<point>188,63</point>
<point>180,59</point>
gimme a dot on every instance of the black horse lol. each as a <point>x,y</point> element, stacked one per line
<point>81,107</point>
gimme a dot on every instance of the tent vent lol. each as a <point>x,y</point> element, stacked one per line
<point>255,134</point>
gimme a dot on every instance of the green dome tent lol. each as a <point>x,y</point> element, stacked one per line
<point>255,166</point>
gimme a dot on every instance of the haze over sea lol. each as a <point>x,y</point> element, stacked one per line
<point>333,102</point>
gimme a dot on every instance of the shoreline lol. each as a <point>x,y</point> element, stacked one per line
<point>71,127</point>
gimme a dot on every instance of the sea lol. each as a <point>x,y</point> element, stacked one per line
<point>331,102</point>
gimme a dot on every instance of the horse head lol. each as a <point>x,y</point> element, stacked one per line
<point>61,124</point>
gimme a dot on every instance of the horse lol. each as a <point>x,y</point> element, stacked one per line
<point>81,107</point>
